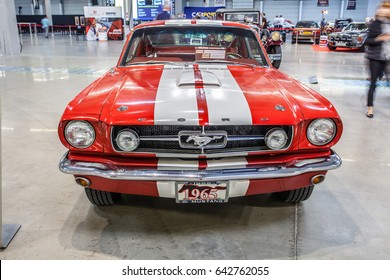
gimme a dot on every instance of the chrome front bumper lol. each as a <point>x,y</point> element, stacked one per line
<point>299,167</point>
<point>348,44</point>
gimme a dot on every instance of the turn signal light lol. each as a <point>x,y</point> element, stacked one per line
<point>83,182</point>
<point>317,179</point>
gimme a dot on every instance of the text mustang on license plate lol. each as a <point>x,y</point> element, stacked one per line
<point>202,192</point>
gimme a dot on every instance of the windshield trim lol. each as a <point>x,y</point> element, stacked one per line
<point>124,63</point>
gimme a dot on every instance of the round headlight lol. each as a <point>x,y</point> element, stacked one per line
<point>275,36</point>
<point>79,134</point>
<point>321,131</point>
<point>127,140</point>
<point>276,139</point>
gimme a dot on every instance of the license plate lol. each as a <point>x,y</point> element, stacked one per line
<point>307,32</point>
<point>202,192</point>
<point>341,44</point>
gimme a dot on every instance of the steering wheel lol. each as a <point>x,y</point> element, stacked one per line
<point>234,55</point>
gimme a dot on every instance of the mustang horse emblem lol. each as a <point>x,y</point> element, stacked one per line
<point>202,141</point>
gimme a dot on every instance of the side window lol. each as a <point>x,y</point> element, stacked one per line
<point>134,48</point>
<point>254,50</point>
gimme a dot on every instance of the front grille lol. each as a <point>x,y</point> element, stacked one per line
<point>165,138</point>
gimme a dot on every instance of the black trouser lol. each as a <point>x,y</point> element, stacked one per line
<point>376,68</point>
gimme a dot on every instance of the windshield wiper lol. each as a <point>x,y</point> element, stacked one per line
<point>225,62</point>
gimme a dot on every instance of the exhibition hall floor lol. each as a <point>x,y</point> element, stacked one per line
<point>347,217</point>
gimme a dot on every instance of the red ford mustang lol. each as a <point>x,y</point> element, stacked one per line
<point>194,111</point>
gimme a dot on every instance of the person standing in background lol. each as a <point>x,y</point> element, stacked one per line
<point>281,21</point>
<point>45,25</point>
<point>165,13</point>
<point>276,21</point>
<point>378,52</point>
<point>264,24</point>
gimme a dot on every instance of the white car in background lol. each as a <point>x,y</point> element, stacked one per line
<point>286,24</point>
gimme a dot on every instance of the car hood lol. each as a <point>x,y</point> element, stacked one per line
<point>202,95</point>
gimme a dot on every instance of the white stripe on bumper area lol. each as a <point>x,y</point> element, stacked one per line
<point>227,163</point>
<point>177,164</point>
<point>166,189</point>
<point>238,188</point>
<point>226,103</point>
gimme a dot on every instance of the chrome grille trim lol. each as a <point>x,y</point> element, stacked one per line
<point>168,143</point>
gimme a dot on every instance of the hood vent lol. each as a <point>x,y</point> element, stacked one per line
<point>187,79</point>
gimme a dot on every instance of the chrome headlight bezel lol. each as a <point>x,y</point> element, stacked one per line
<point>129,133</point>
<point>321,131</point>
<point>79,134</point>
<point>276,36</point>
<point>276,132</point>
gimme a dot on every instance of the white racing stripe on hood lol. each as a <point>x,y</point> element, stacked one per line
<point>227,101</point>
<point>173,102</point>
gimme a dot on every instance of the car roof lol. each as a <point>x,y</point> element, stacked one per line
<point>189,22</point>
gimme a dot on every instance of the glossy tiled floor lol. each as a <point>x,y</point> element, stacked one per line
<point>347,216</point>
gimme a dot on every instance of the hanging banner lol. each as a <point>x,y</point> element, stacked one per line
<point>219,3</point>
<point>35,4</point>
<point>322,3</point>
<point>103,23</point>
<point>146,9</point>
<point>200,12</point>
<point>351,5</point>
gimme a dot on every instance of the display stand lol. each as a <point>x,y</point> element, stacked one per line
<point>8,231</point>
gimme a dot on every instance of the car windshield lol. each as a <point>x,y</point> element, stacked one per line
<point>307,24</point>
<point>355,27</point>
<point>242,17</point>
<point>193,43</point>
<point>342,23</point>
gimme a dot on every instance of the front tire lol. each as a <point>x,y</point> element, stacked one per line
<point>296,195</point>
<point>102,198</point>
<point>331,48</point>
<point>276,50</point>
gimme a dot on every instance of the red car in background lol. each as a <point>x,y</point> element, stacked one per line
<point>194,111</point>
<point>306,31</point>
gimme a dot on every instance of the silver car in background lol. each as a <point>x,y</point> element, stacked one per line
<point>353,36</point>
